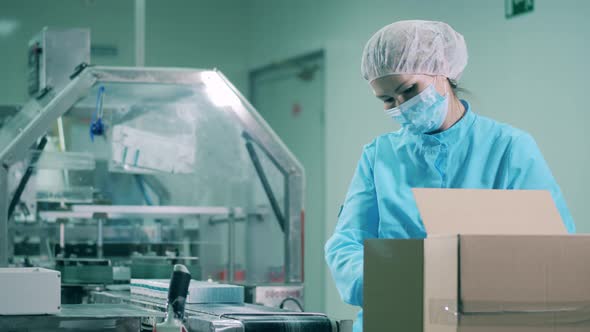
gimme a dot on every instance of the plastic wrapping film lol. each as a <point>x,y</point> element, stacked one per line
<point>445,312</point>
<point>177,134</point>
<point>150,138</point>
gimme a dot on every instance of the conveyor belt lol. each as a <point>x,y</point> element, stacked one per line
<point>245,317</point>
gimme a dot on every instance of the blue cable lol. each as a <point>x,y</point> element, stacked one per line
<point>96,125</point>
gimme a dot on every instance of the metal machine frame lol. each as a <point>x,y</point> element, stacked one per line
<point>38,114</point>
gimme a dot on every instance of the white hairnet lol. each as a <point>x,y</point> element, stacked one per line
<point>415,47</point>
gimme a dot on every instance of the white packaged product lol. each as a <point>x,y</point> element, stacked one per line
<point>198,291</point>
<point>29,291</point>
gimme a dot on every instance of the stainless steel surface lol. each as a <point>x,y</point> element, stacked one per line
<point>107,310</point>
<point>180,76</point>
<point>204,323</point>
<point>156,211</point>
<point>85,317</point>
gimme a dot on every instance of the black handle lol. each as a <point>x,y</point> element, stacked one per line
<point>178,291</point>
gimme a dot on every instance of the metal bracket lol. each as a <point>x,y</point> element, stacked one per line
<point>4,236</point>
<point>43,92</point>
<point>79,68</point>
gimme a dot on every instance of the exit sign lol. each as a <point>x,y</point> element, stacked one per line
<point>518,7</point>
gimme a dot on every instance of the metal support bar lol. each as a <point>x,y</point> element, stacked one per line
<point>62,237</point>
<point>99,240</point>
<point>4,216</point>
<point>26,177</point>
<point>266,186</point>
<point>231,249</point>
<point>288,231</point>
<point>138,211</point>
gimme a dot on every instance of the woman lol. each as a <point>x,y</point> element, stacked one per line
<point>413,67</point>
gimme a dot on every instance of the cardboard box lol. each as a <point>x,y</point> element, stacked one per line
<point>494,261</point>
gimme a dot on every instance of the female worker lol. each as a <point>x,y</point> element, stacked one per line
<point>413,67</point>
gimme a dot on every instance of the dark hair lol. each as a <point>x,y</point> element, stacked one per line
<point>456,88</point>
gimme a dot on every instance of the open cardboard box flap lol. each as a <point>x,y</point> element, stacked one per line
<point>514,253</point>
<point>488,212</point>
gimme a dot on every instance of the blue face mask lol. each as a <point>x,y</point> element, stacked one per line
<point>423,113</point>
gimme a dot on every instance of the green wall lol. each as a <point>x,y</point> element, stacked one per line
<point>199,34</point>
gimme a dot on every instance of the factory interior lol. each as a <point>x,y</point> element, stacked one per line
<point>225,165</point>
